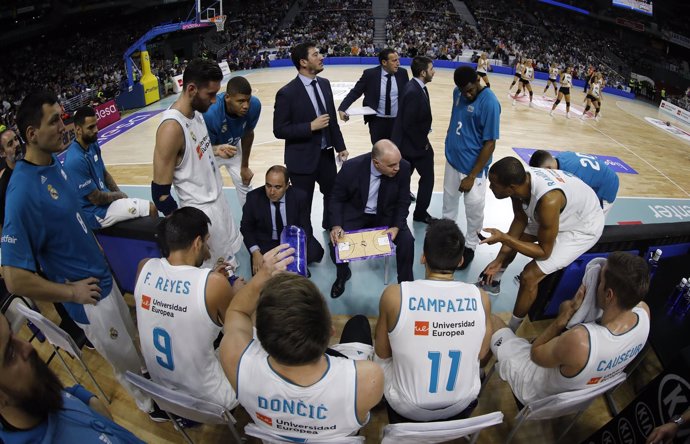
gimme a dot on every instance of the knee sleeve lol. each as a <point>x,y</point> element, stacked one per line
<point>555,104</point>
<point>597,110</point>
<point>567,104</point>
<point>531,93</point>
<point>587,108</point>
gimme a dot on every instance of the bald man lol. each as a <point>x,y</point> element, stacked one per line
<point>373,190</point>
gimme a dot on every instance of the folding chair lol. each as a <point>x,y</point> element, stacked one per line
<point>174,402</point>
<point>441,431</point>
<point>563,404</point>
<point>59,339</point>
<point>266,437</point>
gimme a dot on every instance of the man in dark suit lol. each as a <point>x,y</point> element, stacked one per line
<point>411,133</point>
<point>271,208</point>
<point>373,190</point>
<point>381,87</point>
<point>305,116</point>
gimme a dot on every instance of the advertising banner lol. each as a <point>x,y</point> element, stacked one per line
<point>177,84</point>
<point>106,114</point>
<point>677,112</point>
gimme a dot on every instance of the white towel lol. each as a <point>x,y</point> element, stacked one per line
<point>589,311</point>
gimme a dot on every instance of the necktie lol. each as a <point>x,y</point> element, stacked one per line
<point>278,220</point>
<point>388,95</point>
<point>427,94</point>
<point>322,111</point>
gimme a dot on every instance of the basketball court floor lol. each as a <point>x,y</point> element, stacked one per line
<point>652,160</point>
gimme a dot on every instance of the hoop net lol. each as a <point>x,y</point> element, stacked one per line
<point>219,21</point>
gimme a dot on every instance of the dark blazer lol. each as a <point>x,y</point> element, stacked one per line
<point>257,225</point>
<point>292,116</point>
<point>370,85</point>
<point>351,191</point>
<point>411,128</point>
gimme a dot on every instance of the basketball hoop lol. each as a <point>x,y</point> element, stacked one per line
<point>219,21</point>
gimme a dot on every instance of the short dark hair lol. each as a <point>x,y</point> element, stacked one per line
<point>82,113</point>
<point>464,75</point>
<point>444,245</point>
<point>279,169</point>
<point>178,231</point>
<point>30,112</point>
<point>419,64</point>
<point>201,72</point>
<point>383,55</point>
<point>293,323</point>
<point>539,158</point>
<point>509,171</point>
<point>239,85</point>
<point>628,276</point>
<point>301,52</point>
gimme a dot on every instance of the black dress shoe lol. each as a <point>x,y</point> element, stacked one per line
<point>425,218</point>
<point>338,287</point>
<point>467,257</point>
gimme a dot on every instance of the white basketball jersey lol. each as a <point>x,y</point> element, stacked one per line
<point>321,411</point>
<point>176,332</point>
<point>436,344</point>
<point>566,80</point>
<point>609,354</point>
<point>518,68</point>
<point>528,73</point>
<point>553,73</point>
<point>482,65</point>
<point>196,179</point>
<point>595,90</point>
<point>582,212</point>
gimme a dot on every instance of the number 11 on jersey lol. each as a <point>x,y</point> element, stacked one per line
<point>435,357</point>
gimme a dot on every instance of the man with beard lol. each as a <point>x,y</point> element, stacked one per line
<point>230,123</point>
<point>305,116</point>
<point>102,202</point>
<point>34,407</point>
<point>470,144</point>
<point>588,353</point>
<point>183,157</point>
<point>181,309</point>
<point>10,151</point>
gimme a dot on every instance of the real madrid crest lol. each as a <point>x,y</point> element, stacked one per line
<point>53,192</point>
<point>224,128</point>
<point>193,136</point>
<point>470,108</point>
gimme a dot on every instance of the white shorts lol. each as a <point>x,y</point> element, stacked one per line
<point>606,206</point>
<point>515,365</point>
<point>233,165</point>
<point>124,209</point>
<point>569,245</point>
<point>225,239</point>
<point>112,333</point>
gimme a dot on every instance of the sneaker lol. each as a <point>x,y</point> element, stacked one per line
<point>494,289</point>
<point>185,423</point>
<point>514,102</point>
<point>530,104</point>
<point>467,257</point>
<point>551,113</point>
<point>597,118</point>
<point>567,115</point>
<point>582,117</point>
<point>158,415</point>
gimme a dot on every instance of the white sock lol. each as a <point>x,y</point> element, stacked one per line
<point>499,275</point>
<point>515,322</point>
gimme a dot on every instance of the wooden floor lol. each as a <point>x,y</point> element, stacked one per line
<point>661,160</point>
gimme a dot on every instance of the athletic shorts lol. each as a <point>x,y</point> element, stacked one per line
<point>569,246</point>
<point>565,90</point>
<point>592,98</point>
<point>524,82</point>
<point>481,74</point>
<point>552,80</point>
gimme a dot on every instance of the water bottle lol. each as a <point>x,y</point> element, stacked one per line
<point>677,294</point>
<point>297,239</point>
<point>654,263</point>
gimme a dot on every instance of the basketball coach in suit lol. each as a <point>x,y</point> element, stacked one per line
<point>373,190</point>
<point>381,87</point>
<point>305,116</point>
<point>411,133</point>
<point>268,210</point>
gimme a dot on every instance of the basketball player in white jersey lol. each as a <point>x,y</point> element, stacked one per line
<point>181,310</point>
<point>483,68</point>
<point>557,217</point>
<point>588,353</point>
<point>566,78</point>
<point>284,379</point>
<point>519,66</point>
<point>431,335</point>
<point>553,73</point>
<point>526,76</point>
<point>183,157</point>
<point>594,96</point>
